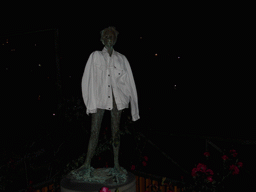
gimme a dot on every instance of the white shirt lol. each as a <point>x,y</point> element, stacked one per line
<point>104,74</point>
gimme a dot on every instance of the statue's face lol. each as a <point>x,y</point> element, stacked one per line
<point>109,38</point>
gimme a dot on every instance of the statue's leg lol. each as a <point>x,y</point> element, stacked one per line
<point>95,130</point>
<point>115,122</point>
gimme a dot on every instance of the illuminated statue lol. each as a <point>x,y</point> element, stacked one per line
<point>107,84</point>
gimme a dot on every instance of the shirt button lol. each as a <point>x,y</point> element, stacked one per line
<point>108,75</point>
<point>108,85</point>
<point>108,108</point>
<point>108,96</point>
<point>119,73</point>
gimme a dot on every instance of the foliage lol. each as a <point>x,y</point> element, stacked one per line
<point>34,155</point>
<point>75,110</point>
<point>204,177</point>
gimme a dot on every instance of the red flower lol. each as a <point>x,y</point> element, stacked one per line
<point>209,171</point>
<point>182,177</point>
<point>133,167</point>
<point>209,178</point>
<point>194,170</point>
<point>201,167</point>
<point>235,168</point>
<point>224,157</point>
<point>104,189</point>
<point>146,158</point>
<point>106,164</point>
<point>30,182</point>
<point>207,154</point>
<point>239,164</point>
<point>232,151</point>
<point>99,158</point>
<point>144,163</point>
<point>234,154</point>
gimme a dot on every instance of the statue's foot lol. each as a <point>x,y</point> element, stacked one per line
<point>83,171</point>
<point>120,170</point>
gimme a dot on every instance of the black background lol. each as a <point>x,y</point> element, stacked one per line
<point>214,75</point>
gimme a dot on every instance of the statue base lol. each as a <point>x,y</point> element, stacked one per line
<point>102,177</point>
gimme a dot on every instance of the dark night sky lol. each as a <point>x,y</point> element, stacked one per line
<point>213,78</point>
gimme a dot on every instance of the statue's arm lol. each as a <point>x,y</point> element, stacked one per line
<point>133,92</point>
<point>88,86</point>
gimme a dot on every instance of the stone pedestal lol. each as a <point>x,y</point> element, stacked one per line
<point>70,185</point>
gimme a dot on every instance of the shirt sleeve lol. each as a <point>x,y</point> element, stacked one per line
<point>132,93</point>
<point>88,86</point>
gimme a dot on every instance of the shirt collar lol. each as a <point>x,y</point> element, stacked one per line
<point>105,51</point>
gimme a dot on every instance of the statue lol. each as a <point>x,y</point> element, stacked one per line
<point>107,84</point>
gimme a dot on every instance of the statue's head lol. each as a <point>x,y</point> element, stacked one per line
<point>109,36</point>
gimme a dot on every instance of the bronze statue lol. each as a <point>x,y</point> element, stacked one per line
<point>107,84</point>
